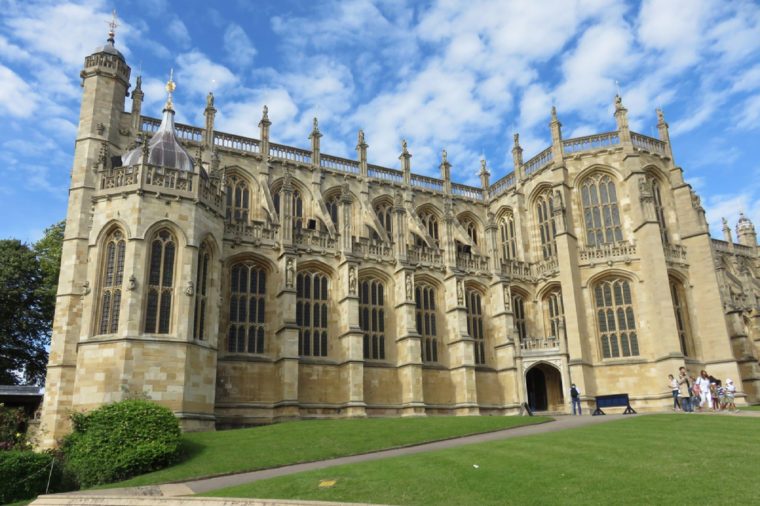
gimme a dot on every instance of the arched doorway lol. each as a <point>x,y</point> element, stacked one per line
<point>544,385</point>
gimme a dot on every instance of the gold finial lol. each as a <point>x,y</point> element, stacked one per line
<point>112,25</point>
<point>170,87</point>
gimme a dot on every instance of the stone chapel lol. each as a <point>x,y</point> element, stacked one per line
<point>239,281</point>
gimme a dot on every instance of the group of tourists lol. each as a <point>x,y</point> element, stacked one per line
<point>703,393</point>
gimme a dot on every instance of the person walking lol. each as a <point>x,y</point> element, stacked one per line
<point>673,384</point>
<point>575,397</point>
<point>730,395</point>
<point>705,399</point>
<point>685,390</point>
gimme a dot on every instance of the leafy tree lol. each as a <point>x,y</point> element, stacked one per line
<point>28,283</point>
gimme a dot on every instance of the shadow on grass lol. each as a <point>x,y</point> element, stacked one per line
<point>189,449</point>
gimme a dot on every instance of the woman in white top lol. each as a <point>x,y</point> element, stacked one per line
<point>704,389</point>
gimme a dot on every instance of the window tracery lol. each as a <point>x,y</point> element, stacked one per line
<point>424,298</point>
<point>160,283</point>
<point>372,318</point>
<point>682,316</point>
<point>112,276</point>
<point>475,326</point>
<point>247,313</point>
<point>600,210</point>
<point>238,206</point>
<point>615,318</point>
<point>311,313</point>
<point>518,308</point>
<point>659,209</point>
<point>554,313</point>
<point>546,226</point>
<point>507,236</point>
<point>201,291</point>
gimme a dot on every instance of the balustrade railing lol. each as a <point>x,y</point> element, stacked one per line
<point>647,143</point>
<point>236,142</point>
<point>590,142</point>
<point>422,254</point>
<point>173,179</point>
<point>339,164</point>
<point>471,262</point>
<point>119,177</point>
<point>550,343</point>
<point>470,192</point>
<point>539,161</point>
<point>314,239</point>
<point>604,252</point>
<point>370,248</point>
<point>546,267</point>
<point>253,230</point>
<point>291,154</point>
<point>516,269</point>
<point>502,185</point>
<point>675,253</point>
<point>427,183</point>
<point>395,176</point>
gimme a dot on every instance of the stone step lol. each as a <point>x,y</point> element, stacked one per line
<point>124,500</point>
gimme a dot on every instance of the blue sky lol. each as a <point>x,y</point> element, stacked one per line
<point>460,75</point>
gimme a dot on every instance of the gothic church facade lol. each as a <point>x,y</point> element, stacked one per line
<point>239,281</point>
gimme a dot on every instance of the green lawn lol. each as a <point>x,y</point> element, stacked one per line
<point>751,408</point>
<point>235,451</point>
<point>658,459</point>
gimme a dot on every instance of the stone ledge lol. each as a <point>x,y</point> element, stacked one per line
<point>149,500</point>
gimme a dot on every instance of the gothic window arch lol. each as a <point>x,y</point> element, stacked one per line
<point>372,317</point>
<point>518,309</point>
<point>430,224</point>
<point>683,326</point>
<point>112,279</point>
<point>554,313</point>
<point>311,313</point>
<point>471,228</point>
<point>247,311</point>
<point>507,237</point>
<point>475,327</point>
<point>384,212</point>
<point>160,289</point>
<point>659,208</point>
<point>238,206</point>
<point>201,292</point>
<point>425,313</point>
<point>615,318</point>
<point>333,209</point>
<point>546,227</point>
<point>296,205</point>
<point>600,210</point>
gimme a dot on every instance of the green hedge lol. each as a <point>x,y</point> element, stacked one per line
<point>24,475</point>
<point>121,440</point>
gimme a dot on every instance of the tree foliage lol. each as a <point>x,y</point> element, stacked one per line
<point>28,284</point>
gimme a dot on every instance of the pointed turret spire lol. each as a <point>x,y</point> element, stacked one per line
<point>170,87</point>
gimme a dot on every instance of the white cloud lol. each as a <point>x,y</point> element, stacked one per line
<point>178,31</point>
<point>16,96</point>
<point>238,46</point>
<point>198,74</point>
<point>749,113</point>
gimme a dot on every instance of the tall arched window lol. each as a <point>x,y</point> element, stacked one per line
<point>296,206</point>
<point>615,318</point>
<point>475,324</point>
<point>507,235</point>
<point>682,316</point>
<point>333,209</point>
<point>430,222</point>
<point>311,313</point>
<point>238,200</point>
<point>245,333</point>
<point>659,209</point>
<point>160,283</point>
<point>471,228</point>
<point>201,290</point>
<point>546,227</point>
<point>424,298</point>
<point>600,210</point>
<point>372,318</point>
<point>112,277</point>
<point>518,308</point>
<point>554,313</point>
<point>384,212</point>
